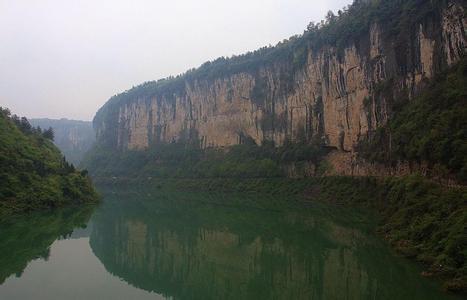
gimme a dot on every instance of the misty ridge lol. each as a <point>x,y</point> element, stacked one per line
<point>74,138</point>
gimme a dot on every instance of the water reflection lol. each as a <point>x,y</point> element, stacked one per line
<point>234,247</point>
<point>28,237</point>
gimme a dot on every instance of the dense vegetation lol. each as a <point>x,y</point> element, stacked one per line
<point>190,161</point>
<point>431,128</point>
<point>73,138</point>
<point>33,173</point>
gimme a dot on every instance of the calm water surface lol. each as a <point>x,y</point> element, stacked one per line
<point>148,244</point>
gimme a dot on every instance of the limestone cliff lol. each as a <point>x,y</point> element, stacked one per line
<point>336,91</point>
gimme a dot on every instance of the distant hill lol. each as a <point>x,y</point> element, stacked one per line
<point>72,137</point>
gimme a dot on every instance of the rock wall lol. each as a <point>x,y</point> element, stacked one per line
<point>338,96</point>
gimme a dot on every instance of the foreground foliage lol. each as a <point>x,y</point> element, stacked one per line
<point>33,173</point>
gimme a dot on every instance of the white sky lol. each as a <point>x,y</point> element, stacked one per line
<point>65,58</point>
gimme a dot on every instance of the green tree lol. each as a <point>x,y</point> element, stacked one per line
<point>49,134</point>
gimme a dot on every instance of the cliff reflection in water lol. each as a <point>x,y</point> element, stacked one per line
<point>188,247</point>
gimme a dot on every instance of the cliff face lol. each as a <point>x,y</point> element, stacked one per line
<point>338,95</point>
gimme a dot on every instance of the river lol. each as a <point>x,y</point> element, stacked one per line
<point>144,243</point>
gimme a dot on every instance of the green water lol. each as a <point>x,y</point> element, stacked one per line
<point>148,244</point>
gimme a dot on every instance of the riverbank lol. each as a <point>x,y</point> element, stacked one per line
<point>419,218</point>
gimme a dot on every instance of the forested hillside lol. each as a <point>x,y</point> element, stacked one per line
<point>33,172</point>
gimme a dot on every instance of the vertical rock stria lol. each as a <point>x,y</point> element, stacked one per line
<point>338,95</point>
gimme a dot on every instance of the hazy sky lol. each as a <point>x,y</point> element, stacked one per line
<point>65,58</point>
